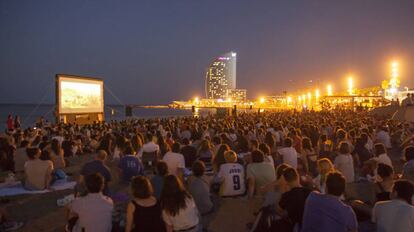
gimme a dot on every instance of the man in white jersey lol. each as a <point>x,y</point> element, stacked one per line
<point>231,176</point>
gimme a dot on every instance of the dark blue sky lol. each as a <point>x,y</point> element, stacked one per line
<point>156,51</point>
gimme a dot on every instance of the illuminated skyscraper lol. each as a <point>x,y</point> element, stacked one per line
<point>221,76</point>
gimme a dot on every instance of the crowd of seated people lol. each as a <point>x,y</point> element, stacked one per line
<point>302,167</point>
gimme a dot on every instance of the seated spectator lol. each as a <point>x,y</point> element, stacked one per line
<point>93,211</point>
<point>259,173</point>
<point>381,156</point>
<point>327,151</point>
<point>179,210</point>
<point>199,188</point>
<point>189,152</point>
<point>38,172</point>
<point>97,166</point>
<point>344,162</point>
<point>20,157</point>
<point>150,146</point>
<point>129,164</point>
<point>231,176</point>
<point>175,161</point>
<point>289,154</point>
<point>143,211</point>
<point>205,152</point>
<point>263,147</point>
<point>384,186</point>
<point>324,166</point>
<point>408,169</point>
<point>57,155</point>
<point>292,202</point>
<point>157,180</point>
<point>398,213</point>
<point>360,151</point>
<point>326,212</point>
<point>218,159</point>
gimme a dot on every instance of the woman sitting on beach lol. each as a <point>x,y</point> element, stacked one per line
<point>179,210</point>
<point>57,155</point>
<point>38,173</point>
<point>144,211</point>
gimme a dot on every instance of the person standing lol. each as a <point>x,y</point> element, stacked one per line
<point>10,123</point>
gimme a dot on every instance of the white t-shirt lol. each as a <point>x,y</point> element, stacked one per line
<point>95,212</point>
<point>384,158</point>
<point>289,155</point>
<point>150,147</point>
<point>394,215</point>
<point>232,176</point>
<point>174,162</point>
<point>384,138</point>
<point>186,218</point>
<point>345,164</point>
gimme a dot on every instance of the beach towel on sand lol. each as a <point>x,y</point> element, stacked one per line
<point>18,189</point>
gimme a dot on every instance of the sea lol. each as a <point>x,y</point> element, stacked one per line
<point>29,113</point>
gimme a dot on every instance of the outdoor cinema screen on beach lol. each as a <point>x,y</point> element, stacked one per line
<point>79,95</point>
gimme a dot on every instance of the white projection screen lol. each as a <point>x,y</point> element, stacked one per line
<point>79,94</point>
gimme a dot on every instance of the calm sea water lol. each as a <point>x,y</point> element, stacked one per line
<point>29,113</point>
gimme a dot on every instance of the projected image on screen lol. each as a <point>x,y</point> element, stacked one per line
<point>80,95</point>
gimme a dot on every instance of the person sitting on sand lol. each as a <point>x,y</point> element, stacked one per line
<point>179,210</point>
<point>92,212</point>
<point>97,166</point>
<point>38,173</point>
<point>231,176</point>
<point>143,211</point>
<point>129,165</point>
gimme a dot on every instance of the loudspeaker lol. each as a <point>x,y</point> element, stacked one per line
<point>128,111</point>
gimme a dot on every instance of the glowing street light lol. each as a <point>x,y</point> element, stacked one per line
<point>394,82</point>
<point>329,90</point>
<point>309,96</point>
<point>289,99</point>
<point>262,100</point>
<point>317,93</point>
<point>350,85</point>
<point>196,100</point>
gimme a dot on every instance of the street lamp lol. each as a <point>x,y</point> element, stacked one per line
<point>350,85</point>
<point>329,90</point>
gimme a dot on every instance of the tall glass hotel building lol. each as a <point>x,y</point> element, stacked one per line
<point>221,76</point>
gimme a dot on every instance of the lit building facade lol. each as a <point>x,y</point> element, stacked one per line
<point>221,76</point>
<point>237,95</point>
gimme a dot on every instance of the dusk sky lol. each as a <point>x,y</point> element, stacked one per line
<point>153,52</point>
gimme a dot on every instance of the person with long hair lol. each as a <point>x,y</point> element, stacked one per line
<point>179,210</point>
<point>219,157</point>
<point>205,152</point>
<point>137,145</point>
<point>143,211</point>
<point>324,166</point>
<point>57,154</point>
